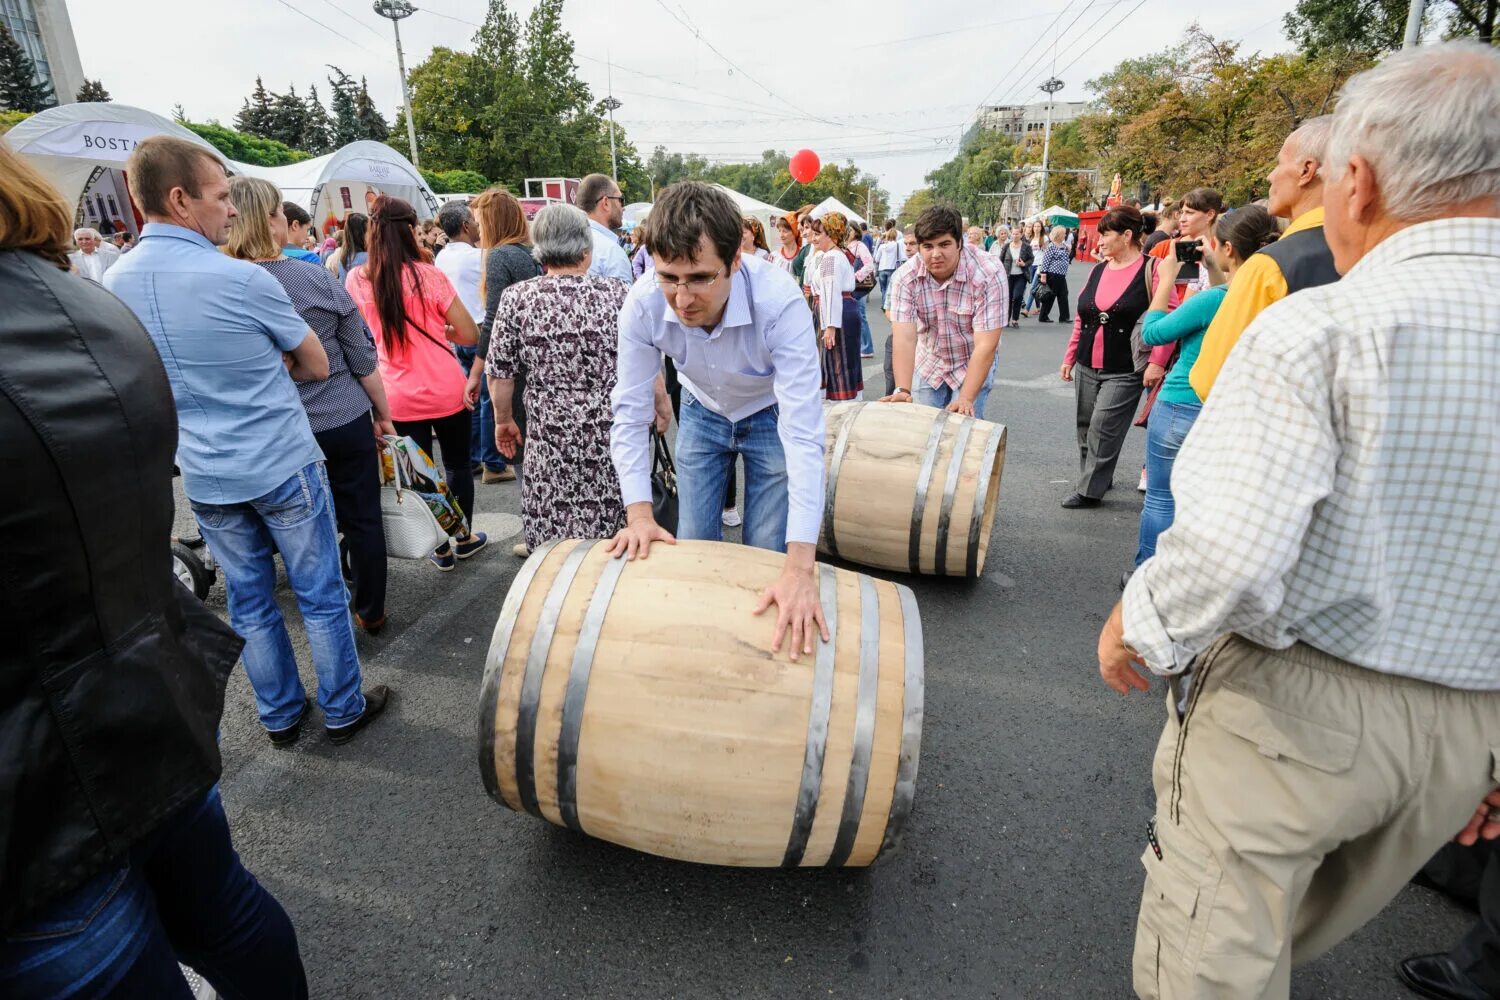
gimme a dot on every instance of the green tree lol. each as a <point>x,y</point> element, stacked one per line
<point>371,123</point>
<point>916,203</point>
<point>455,181</point>
<point>254,117</point>
<point>317,132</point>
<point>288,124</point>
<point>345,127</point>
<point>93,91</point>
<point>21,88</point>
<point>446,100</point>
<point>1370,27</point>
<point>246,148</point>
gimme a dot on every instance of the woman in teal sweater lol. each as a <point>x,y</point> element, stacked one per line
<point>1239,234</point>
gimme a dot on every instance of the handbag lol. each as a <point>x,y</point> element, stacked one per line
<point>412,531</point>
<point>864,284</point>
<point>663,483</point>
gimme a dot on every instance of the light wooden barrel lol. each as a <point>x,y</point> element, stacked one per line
<point>911,488</point>
<point>638,702</point>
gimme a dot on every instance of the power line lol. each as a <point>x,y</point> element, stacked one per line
<point>952,31</point>
<point>356,20</point>
<point>1042,55</point>
<point>326,27</point>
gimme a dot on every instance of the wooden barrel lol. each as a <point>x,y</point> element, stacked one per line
<point>638,702</point>
<point>911,488</point>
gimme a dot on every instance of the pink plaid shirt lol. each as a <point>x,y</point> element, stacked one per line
<point>947,314</point>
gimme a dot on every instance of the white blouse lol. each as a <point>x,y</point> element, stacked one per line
<point>833,277</point>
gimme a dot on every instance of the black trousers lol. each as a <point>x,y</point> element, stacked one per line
<point>1017,295</point>
<point>354,478</point>
<point>1472,875</point>
<point>453,438</point>
<point>1058,283</point>
<point>674,393</point>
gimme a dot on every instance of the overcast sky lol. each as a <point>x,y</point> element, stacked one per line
<point>894,93</point>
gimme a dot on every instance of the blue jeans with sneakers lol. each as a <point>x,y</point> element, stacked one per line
<point>481,420</point>
<point>706,446</point>
<point>296,519</point>
<point>180,894</point>
<point>866,341</point>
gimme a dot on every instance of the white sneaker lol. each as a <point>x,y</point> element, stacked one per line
<point>731,518</point>
<point>1140,487</point>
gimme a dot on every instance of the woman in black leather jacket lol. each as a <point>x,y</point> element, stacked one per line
<point>115,858</point>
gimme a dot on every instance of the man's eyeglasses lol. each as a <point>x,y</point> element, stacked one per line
<point>694,285</point>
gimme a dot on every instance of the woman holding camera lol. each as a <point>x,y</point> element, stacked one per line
<point>1237,236</point>
<point>1199,213</point>
<point>1103,360</point>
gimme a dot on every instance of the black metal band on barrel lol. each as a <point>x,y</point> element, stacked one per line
<point>840,445</point>
<point>919,502</point>
<point>578,690</point>
<point>811,785</point>
<point>864,722</point>
<point>911,722</point>
<point>981,497</point>
<point>536,667</point>
<point>494,668</point>
<point>950,487</point>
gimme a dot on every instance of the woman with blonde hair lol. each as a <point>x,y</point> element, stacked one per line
<point>340,407</point>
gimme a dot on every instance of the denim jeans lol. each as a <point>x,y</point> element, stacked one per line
<point>940,397</point>
<point>481,421</point>
<point>1166,429</point>
<point>297,517</point>
<point>866,341</point>
<point>1031,275</point>
<point>179,894</point>
<point>706,443</point>
<point>884,278</point>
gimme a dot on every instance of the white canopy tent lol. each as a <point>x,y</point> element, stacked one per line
<point>755,208</point>
<point>832,204</point>
<point>333,185</point>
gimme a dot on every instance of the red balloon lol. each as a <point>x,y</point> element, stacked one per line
<point>804,166</point>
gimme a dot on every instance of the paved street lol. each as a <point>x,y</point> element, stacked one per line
<point>1018,877</point>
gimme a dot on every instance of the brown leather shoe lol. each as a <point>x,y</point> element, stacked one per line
<point>371,628</point>
<point>505,475</point>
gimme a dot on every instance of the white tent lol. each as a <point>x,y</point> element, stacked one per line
<point>754,207</point>
<point>74,145</point>
<point>330,186</point>
<point>832,204</point>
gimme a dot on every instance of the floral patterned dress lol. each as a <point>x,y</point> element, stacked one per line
<point>561,332</point>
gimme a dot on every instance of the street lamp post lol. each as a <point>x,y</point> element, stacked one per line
<point>611,105</point>
<point>1051,87</point>
<point>396,10</point>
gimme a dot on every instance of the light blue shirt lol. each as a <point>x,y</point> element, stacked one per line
<point>762,353</point>
<point>609,257</point>
<point>220,326</point>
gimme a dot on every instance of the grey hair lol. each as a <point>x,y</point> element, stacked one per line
<point>452,217</point>
<point>1310,139</point>
<point>1059,231</point>
<point>560,236</point>
<point>1428,121</point>
<point>86,231</point>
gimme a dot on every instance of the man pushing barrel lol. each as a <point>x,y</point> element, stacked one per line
<point>742,340</point>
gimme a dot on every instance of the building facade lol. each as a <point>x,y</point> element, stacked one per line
<point>44,31</point>
<point>1022,120</point>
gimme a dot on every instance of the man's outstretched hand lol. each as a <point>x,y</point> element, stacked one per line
<point>795,594</point>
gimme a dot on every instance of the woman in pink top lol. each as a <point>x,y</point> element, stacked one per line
<point>416,317</point>
<point>1105,360</point>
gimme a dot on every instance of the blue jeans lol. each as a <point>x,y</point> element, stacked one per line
<point>884,277</point>
<point>1031,273</point>
<point>706,445</point>
<point>482,450</point>
<point>297,517</point>
<point>179,894</point>
<point>866,341</point>
<point>940,397</point>
<point>1166,429</point>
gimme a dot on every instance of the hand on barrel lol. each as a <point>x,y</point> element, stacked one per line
<point>964,407</point>
<point>1484,824</point>
<point>1117,660</point>
<point>798,610</point>
<point>634,540</point>
<point>899,396</point>
<point>507,438</point>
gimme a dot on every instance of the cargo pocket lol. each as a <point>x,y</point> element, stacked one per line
<point>1178,900</point>
<point>1283,732</point>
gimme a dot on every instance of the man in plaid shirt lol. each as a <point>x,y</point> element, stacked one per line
<point>947,306</point>
<point>1328,587</point>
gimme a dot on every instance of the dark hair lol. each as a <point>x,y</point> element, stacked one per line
<point>295,213</point>
<point>937,220</point>
<point>356,231</point>
<point>1247,230</point>
<point>393,254</point>
<point>1123,219</point>
<point>1204,199</point>
<point>592,189</point>
<point>163,162</point>
<point>1150,221</point>
<point>452,216</point>
<point>889,224</point>
<point>688,210</point>
<point>757,232</point>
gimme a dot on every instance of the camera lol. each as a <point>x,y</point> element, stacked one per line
<point>1188,251</point>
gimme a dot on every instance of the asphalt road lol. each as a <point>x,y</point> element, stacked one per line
<point>1019,875</point>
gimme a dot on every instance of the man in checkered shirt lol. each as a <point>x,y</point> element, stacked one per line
<point>1329,589</point>
<point>947,306</point>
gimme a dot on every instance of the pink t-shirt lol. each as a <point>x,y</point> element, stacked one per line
<point>423,380</point>
<point>1113,282</point>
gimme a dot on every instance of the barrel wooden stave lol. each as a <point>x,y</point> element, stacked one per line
<point>695,756</point>
<point>877,467</point>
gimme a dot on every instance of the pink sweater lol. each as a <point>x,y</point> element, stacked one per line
<point>1112,284</point>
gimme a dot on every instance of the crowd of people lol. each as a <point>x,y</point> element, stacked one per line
<point>1311,575</point>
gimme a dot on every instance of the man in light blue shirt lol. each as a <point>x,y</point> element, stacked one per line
<point>232,345</point>
<point>602,202</point>
<point>741,337</point>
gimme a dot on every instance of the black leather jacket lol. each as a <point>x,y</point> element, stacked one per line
<point>111,674</point>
